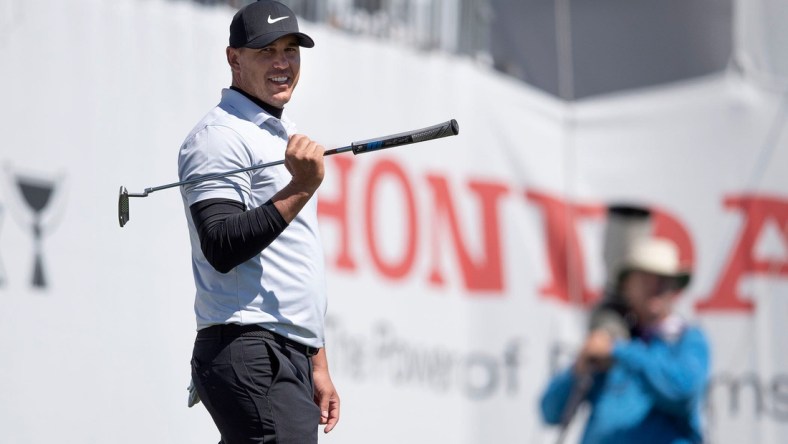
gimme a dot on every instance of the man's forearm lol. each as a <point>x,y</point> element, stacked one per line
<point>230,235</point>
<point>291,199</point>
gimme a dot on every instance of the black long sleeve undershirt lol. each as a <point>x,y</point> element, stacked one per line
<point>230,235</point>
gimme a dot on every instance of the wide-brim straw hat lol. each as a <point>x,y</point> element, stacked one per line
<point>658,256</point>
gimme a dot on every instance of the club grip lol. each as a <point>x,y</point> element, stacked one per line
<point>445,129</point>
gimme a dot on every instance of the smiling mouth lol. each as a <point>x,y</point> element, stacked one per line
<point>280,80</point>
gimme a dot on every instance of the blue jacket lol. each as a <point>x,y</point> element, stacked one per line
<point>652,394</point>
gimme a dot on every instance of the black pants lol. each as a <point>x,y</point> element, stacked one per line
<point>257,388</point>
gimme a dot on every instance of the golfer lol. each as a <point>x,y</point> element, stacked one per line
<point>259,363</point>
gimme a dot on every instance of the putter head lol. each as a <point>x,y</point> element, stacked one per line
<point>123,206</point>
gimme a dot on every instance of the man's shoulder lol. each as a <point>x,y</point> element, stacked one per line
<point>223,114</point>
<point>220,117</point>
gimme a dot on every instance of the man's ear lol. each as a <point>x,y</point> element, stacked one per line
<point>232,58</point>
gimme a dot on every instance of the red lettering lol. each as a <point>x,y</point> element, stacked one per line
<point>400,268</point>
<point>757,210</point>
<point>484,273</point>
<point>567,273</point>
<point>337,209</point>
<point>668,227</point>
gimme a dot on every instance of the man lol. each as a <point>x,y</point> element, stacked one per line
<point>647,388</point>
<point>259,363</point>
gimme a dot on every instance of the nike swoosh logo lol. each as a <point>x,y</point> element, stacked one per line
<point>272,21</point>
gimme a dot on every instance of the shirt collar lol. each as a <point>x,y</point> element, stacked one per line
<point>253,113</point>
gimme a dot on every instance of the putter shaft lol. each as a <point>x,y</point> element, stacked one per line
<point>123,199</point>
<point>445,129</point>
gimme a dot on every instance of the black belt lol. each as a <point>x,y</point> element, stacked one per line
<point>253,330</point>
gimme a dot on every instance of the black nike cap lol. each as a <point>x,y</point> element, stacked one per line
<point>259,24</point>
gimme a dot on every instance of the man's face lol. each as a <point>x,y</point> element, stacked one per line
<point>271,73</point>
<point>650,296</point>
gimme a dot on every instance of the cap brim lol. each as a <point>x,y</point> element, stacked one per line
<point>682,277</point>
<point>683,280</point>
<point>266,39</point>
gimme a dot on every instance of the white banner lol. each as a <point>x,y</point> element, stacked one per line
<point>460,270</point>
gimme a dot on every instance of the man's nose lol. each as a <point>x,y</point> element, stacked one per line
<point>281,61</point>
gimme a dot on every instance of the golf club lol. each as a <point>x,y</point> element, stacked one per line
<point>445,129</point>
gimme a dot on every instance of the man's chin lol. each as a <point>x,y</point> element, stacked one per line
<point>280,99</point>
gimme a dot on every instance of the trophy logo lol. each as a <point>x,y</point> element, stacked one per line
<point>37,199</point>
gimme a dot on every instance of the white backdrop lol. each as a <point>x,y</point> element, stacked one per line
<point>448,304</point>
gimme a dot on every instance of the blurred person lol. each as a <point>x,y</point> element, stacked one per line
<point>259,363</point>
<point>645,386</point>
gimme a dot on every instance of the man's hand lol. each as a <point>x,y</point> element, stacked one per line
<point>596,354</point>
<point>326,396</point>
<point>304,160</point>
